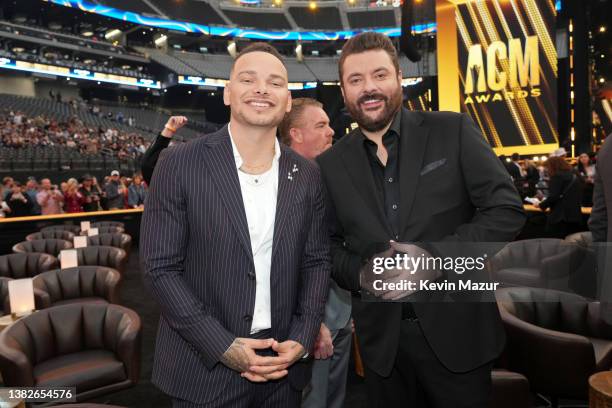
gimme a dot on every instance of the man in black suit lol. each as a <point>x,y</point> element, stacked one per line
<point>599,222</point>
<point>235,250</point>
<point>413,176</point>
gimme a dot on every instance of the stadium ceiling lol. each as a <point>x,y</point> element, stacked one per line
<point>224,31</point>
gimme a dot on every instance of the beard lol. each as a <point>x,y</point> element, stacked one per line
<point>374,124</point>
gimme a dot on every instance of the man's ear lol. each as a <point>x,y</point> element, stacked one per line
<point>342,91</point>
<point>399,76</point>
<point>226,94</point>
<point>296,135</point>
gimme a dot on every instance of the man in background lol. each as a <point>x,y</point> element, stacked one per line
<point>114,192</point>
<point>306,130</point>
<point>50,198</point>
<point>32,192</point>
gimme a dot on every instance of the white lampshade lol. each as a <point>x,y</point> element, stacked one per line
<point>21,296</point>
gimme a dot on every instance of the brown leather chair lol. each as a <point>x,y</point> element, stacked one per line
<point>123,241</point>
<point>542,263</point>
<point>107,230</point>
<point>26,265</point>
<point>102,256</point>
<point>100,224</point>
<point>556,339</point>
<point>47,246</point>
<point>53,234</point>
<point>93,347</point>
<point>75,229</point>
<point>509,390</point>
<point>82,284</point>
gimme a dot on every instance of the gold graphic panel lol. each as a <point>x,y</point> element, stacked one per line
<point>497,61</point>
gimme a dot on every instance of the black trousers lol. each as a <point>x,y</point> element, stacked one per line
<point>419,380</point>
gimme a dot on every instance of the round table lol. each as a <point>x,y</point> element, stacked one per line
<point>600,390</point>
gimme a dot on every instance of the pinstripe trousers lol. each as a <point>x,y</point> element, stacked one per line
<point>242,393</point>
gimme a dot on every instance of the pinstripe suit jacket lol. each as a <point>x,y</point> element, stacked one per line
<point>197,262</point>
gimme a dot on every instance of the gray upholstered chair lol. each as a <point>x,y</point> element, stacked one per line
<point>54,234</point>
<point>118,240</point>
<point>47,246</point>
<point>81,284</point>
<point>75,229</point>
<point>26,265</point>
<point>555,339</point>
<point>91,346</point>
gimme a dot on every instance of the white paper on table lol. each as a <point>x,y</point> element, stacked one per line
<point>69,258</point>
<point>92,232</point>
<point>532,201</point>
<point>80,241</point>
<point>21,295</point>
<point>85,225</point>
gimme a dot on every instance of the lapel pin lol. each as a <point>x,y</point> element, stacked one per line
<point>289,176</point>
<point>295,168</point>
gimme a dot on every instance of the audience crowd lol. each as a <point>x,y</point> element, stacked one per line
<point>19,131</point>
<point>72,195</point>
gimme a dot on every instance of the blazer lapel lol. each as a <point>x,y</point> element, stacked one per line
<point>413,143</point>
<point>221,164</point>
<point>358,166</point>
<point>288,179</point>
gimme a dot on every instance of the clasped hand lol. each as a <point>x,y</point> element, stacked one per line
<point>394,277</point>
<point>241,357</point>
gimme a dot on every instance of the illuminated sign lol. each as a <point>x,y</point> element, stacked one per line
<point>498,63</point>
<point>184,26</point>
<point>519,70</point>
<point>26,66</point>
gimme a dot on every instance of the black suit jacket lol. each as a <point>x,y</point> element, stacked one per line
<point>197,261</point>
<point>599,222</point>
<point>564,198</point>
<point>453,188</point>
<point>150,157</point>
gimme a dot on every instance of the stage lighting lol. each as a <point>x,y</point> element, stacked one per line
<point>312,5</point>
<point>298,53</point>
<point>161,41</point>
<point>278,3</point>
<point>231,49</point>
<point>601,80</point>
<point>602,29</point>
<point>112,34</point>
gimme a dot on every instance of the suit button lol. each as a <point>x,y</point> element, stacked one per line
<point>247,318</point>
<point>251,275</point>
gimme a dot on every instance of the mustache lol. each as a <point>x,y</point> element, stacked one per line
<point>365,97</point>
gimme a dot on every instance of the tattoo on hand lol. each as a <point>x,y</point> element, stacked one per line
<point>235,357</point>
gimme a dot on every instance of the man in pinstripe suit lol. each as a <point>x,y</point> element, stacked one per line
<point>235,251</point>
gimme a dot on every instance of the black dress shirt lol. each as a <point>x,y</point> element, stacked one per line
<point>386,177</point>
